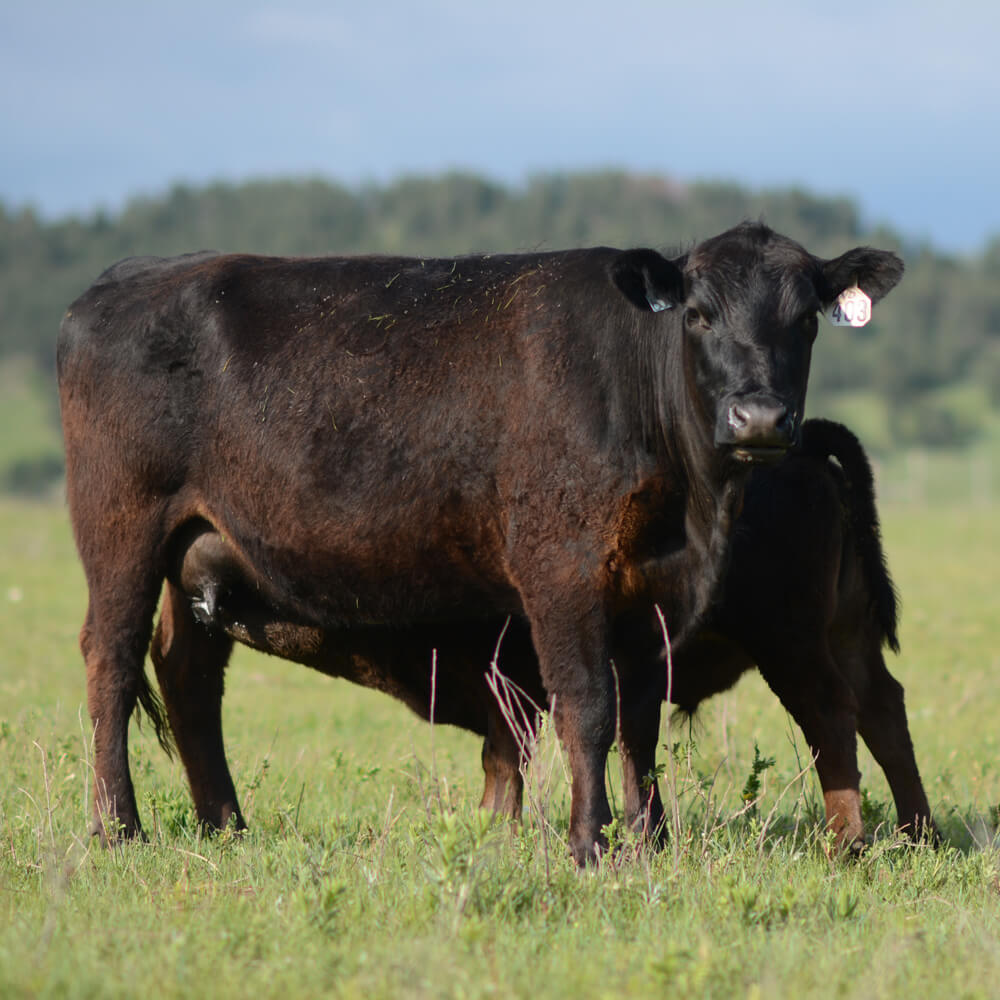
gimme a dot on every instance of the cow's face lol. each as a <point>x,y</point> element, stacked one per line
<point>748,304</point>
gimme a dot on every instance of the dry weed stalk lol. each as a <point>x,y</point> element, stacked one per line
<point>525,718</point>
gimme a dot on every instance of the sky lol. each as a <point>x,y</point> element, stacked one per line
<point>894,104</point>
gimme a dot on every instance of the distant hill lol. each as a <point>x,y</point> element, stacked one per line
<point>932,354</point>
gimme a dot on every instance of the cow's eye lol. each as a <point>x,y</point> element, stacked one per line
<point>695,320</point>
<point>809,325</point>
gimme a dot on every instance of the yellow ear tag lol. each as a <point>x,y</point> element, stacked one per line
<point>851,308</point>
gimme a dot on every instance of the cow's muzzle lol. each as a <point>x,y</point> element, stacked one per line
<point>757,429</point>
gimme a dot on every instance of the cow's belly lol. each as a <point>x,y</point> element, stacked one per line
<point>340,583</point>
<point>434,666</point>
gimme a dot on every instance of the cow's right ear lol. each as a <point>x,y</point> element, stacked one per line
<point>648,280</point>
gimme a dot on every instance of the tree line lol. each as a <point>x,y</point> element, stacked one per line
<point>934,343</point>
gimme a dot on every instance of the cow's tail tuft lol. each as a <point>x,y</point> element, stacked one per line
<point>827,439</point>
<point>151,704</point>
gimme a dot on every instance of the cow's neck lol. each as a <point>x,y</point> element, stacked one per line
<point>713,486</point>
<point>709,541</point>
<point>674,435</point>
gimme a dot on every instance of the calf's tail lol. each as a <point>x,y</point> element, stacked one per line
<point>825,439</point>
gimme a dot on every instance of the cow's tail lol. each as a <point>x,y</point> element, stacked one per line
<point>151,704</point>
<point>827,439</point>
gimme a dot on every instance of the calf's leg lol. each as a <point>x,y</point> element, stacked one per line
<point>824,705</point>
<point>503,756</point>
<point>641,698</point>
<point>883,726</point>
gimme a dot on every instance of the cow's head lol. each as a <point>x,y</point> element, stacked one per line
<point>747,303</point>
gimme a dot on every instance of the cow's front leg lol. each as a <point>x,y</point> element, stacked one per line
<point>575,662</point>
<point>585,724</point>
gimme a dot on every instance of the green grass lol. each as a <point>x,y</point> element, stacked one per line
<point>367,871</point>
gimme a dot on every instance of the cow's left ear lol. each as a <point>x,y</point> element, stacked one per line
<point>648,280</point>
<point>875,272</point>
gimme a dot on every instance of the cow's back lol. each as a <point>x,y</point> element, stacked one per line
<point>342,421</point>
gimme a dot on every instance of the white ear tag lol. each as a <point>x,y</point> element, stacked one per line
<point>657,304</point>
<point>851,308</point>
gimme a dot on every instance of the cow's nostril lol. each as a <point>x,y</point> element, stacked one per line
<point>738,417</point>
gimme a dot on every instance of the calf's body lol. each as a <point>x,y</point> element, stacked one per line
<point>808,599</point>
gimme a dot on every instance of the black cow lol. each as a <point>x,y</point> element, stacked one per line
<point>365,444</point>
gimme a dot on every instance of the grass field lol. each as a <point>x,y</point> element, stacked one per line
<point>367,871</point>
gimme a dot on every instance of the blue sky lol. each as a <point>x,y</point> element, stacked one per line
<point>894,104</point>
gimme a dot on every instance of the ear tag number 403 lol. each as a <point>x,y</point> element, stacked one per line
<point>851,308</point>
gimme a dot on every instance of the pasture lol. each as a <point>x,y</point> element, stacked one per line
<point>368,871</point>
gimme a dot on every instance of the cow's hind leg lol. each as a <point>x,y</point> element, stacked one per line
<point>190,662</point>
<point>114,640</point>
